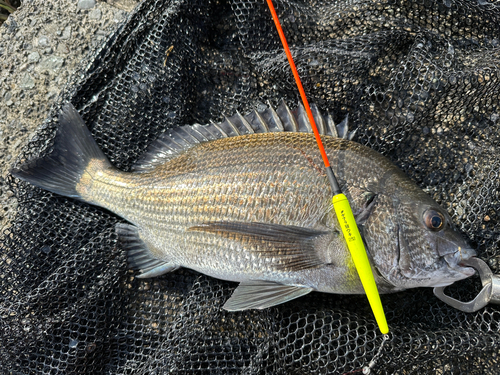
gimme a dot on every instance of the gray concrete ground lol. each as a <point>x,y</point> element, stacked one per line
<point>41,44</point>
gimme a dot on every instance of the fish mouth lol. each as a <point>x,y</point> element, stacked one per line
<point>456,259</point>
<point>454,255</point>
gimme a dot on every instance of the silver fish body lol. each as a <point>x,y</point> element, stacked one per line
<point>256,208</point>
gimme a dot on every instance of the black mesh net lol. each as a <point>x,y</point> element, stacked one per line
<point>420,81</point>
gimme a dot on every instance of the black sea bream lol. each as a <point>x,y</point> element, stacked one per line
<point>248,200</point>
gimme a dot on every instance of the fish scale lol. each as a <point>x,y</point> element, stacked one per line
<point>207,182</point>
<point>256,208</point>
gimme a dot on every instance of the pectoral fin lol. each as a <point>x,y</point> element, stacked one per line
<point>291,248</point>
<point>262,294</point>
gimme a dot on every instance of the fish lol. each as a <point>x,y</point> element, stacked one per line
<point>247,200</point>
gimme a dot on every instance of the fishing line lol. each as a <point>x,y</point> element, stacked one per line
<point>340,203</point>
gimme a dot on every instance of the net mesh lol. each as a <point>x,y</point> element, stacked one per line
<point>420,81</point>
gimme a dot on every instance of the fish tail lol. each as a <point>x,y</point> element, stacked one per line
<point>75,155</point>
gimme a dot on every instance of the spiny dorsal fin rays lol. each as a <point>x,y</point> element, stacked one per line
<point>177,138</point>
<point>332,128</point>
<point>255,117</point>
<point>229,127</point>
<point>342,129</point>
<point>303,120</point>
<point>318,118</point>
<point>283,119</point>
<point>245,123</point>
<point>186,136</point>
<point>276,119</point>
<point>223,134</point>
<point>202,133</point>
<point>289,120</point>
<point>349,135</point>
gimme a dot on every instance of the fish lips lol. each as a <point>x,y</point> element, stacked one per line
<point>454,255</point>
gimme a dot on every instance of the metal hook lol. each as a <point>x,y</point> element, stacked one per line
<point>489,294</point>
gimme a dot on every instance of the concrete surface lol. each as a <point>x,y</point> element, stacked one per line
<point>41,44</point>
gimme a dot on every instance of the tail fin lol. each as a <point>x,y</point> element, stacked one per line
<point>61,170</point>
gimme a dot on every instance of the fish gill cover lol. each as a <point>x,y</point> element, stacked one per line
<point>420,81</point>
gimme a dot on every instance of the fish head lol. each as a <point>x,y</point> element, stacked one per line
<point>413,242</point>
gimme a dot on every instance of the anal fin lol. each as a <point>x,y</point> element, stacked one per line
<point>139,253</point>
<point>262,294</point>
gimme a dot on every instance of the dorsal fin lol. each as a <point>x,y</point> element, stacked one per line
<point>318,118</point>
<point>289,121</point>
<point>303,120</point>
<point>331,127</point>
<point>174,141</point>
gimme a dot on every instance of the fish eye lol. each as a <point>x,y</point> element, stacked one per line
<point>434,220</point>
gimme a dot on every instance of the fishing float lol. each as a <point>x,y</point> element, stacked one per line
<point>340,202</point>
